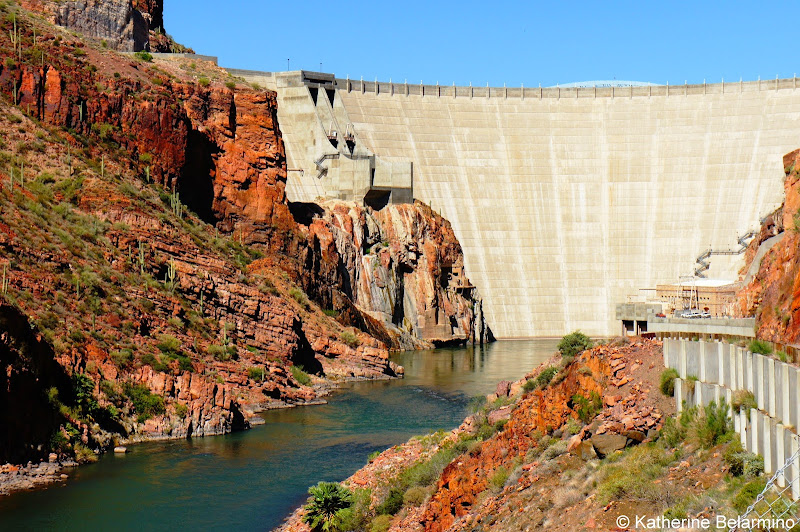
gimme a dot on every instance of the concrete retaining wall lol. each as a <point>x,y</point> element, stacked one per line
<point>722,369</point>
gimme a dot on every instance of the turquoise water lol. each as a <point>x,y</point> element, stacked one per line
<point>252,480</point>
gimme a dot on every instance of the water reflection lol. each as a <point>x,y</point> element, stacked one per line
<point>252,480</point>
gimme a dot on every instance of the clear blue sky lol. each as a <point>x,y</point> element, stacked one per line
<point>499,42</point>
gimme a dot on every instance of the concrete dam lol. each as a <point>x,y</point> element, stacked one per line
<point>567,201</point>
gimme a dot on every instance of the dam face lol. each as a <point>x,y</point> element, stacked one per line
<point>566,201</point>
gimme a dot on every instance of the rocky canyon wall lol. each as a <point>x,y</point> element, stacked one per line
<point>155,253</point>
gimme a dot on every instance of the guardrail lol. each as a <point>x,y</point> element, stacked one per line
<point>523,93</point>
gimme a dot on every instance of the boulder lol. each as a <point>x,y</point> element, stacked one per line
<point>500,414</point>
<point>605,444</point>
<point>584,450</point>
<point>503,388</point>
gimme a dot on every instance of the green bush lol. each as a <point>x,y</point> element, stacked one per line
<point>711,427</point>
<point>392,503</point>
<point>587,407</point>
<point>204,81</point>
<point>221,352</point>
<point>181,410</point>
<point>122,358</point>
<point>350,339</point>
<point>574,343</point>
<point>169,345</point>
<point>298,295</point>
<point>672,433</point>
<point>145,403</point>
<point>415,496</point>
<point>498,479</point>
<point>301,376</point>
<point>742,463</point>
<point>144,56</point>
<point>667,382</point>
<point>426,472</point>
<point>256,374</point>
<point>381,523</point>
<point>230,84</point>
<point>748,494</point>
<point>759,346</point>
<point>544,378</point>
<point>327,507</point>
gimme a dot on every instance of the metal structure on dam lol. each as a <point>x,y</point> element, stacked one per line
<point>566,201</point>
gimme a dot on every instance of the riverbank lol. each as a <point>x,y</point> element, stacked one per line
<point>14,478</point>
<point>252,480</point>
<point>32,476</point>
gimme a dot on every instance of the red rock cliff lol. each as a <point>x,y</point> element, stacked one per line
<point>773,295</point>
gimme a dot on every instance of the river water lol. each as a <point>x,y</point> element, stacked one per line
<point>252,480</point>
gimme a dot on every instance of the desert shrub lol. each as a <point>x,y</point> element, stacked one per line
<point>298,295</point>
<point>667,382</point>
<point>204,81</point>
<point>557,448</point>
<point>350,339</point>
<point>301,376</point>
<point>498,479</point>
<point>743,400</point>
<point>415,496</point>
<point>381,523</point>
<point>782,356</point>
<point>230,84</point>
<point>713,425</point>
<point>742,463</point>
<point>748,494</point>
<point>587,407</point>
<point>144,56</point>
<point>572,427</point>
<point>392,503</point>
<point>122,358</point>
<point>181,410</point>
<point>145,403</point>
<point>327,506</point>
<point>759,346</point>
<point>672,433</point>
<point>168,345</point>
<point>529,385</point>
<point>256,374</point>
<point>330,313</point>
<point>573,343</point>
<point>222,353</point>
<point>544,378</point>
<point>426,472</point>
